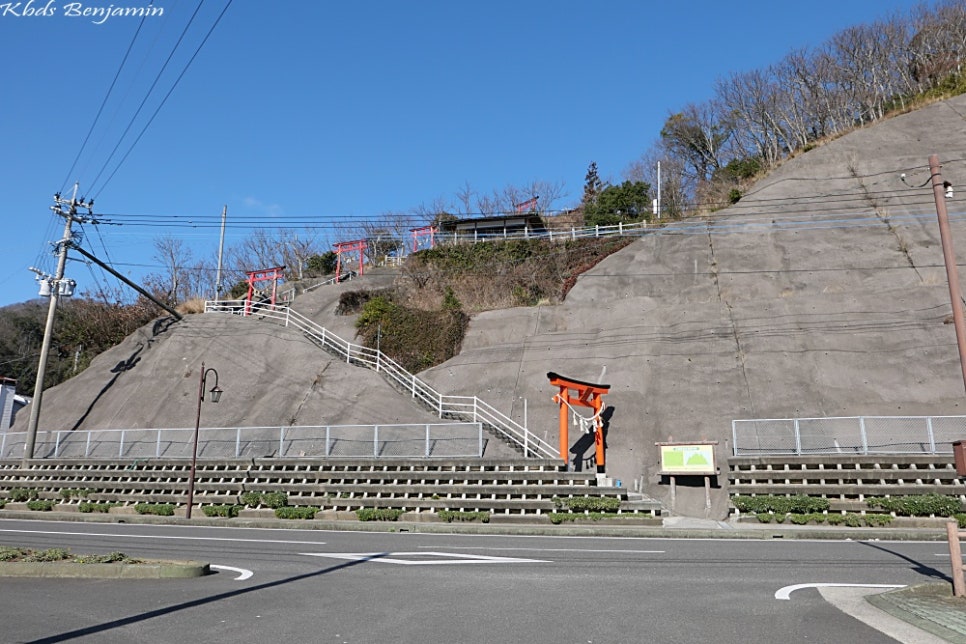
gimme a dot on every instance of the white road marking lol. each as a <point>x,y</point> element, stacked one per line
<point>633,552</point>
<point>441,558</point>
<point>171,537</point>
<point>785,593</point>
<point>243,573</point>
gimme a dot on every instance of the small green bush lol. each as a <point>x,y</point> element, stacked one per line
<point>379,514</point>
<point>780,504</point>
<point>8,553</point>
<point>159,509</point>
<point>112,557</point>
<point>40,505</point>
<point>588,503</point>
<point>960,519</point>
<point>51,554</point>
<point>3,503</point>
<point>877,520</point>
<point>88,507</point>
<point>273,500</point>
<point>559,517</point>
<point>918,505</point>
<point>228,511</point>
<point>765,517</point>
<point>69,493</point>
<point>800,519</point>
<point>450,515</point>
<point>295,512</point>
<point>20,495</point>
<point>835,519</point>
<point>853,520</point>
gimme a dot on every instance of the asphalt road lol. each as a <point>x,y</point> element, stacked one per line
<point>345,587</point>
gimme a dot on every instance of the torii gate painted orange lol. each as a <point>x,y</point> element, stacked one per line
<point>349,247</point>
<point>260,276</point>
<point>585,394</point>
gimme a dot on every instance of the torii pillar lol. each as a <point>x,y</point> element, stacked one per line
<point>581,394</point>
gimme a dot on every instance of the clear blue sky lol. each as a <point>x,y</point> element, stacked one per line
<point>348,109</point>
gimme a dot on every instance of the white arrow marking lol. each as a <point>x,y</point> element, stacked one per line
<point>242,576</point>
<point>785,593</point>
<point>442,558</point>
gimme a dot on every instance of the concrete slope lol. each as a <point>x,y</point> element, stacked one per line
<point>270,375</point>
<point>821,293</point>
<point>812,297</point>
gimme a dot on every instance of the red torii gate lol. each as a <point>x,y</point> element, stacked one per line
<point>583,394</point>
<point>349,247</point>
<point>425,231</point>
<point>275,274</point>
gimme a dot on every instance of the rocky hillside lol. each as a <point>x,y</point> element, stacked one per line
<point>821,293</point>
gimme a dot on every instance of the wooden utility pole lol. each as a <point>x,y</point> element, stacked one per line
<point>939,188</point>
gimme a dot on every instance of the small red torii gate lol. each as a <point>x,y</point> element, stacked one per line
<point>583,394</point>
<point>425,231</point>
<point>276,273</point>
<point>349,247</point>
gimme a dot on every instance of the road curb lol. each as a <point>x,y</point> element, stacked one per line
<point>75,570</point>
<point>768,532</point>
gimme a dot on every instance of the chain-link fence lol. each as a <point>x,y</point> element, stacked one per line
<point>439,440</point>
<point>848,435</point>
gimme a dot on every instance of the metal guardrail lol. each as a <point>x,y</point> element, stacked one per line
<point>422,440</point>
<point>847,435</point>
<point>464,408</point>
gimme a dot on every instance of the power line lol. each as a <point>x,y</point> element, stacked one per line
<point>166,96</point>
<point>106,97</point>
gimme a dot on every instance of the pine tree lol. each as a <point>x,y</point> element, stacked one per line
<point>592,186</point>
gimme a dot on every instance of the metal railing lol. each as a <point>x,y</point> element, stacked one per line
<point>463,408</point>
<point>418,440</point>
<point>847,435</point>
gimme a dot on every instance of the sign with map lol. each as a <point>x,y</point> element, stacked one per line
<point>688,458</point>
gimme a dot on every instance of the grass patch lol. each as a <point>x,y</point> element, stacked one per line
<point>449,516</point>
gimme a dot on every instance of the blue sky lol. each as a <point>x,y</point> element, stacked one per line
<point>346,110</point>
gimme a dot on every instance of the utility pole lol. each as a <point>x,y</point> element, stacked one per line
<point>940,188</point>
<point>221,247</point>
<point>70,216</point>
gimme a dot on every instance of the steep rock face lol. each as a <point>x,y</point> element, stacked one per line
<point>821,293</point>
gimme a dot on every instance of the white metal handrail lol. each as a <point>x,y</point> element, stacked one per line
<point>469,408</point>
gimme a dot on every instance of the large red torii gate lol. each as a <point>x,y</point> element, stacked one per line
<point>349,247</point>
<point>276,273</point>
<point>582,394</point>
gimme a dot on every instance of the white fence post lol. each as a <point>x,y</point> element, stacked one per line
<point>375,441</point>
<point>798,438</point>
<point>281,441</point>
<point>87,448</point>
<point>929,433</point>
<point>237,442</point>
<point>157,447</point>
<point>120,447</point>
<point>865,440</point>
<point>427,441</point>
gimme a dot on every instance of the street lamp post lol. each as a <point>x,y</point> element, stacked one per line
<point>215,397</point>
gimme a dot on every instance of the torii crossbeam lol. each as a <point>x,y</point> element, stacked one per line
<point>583,394</point>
